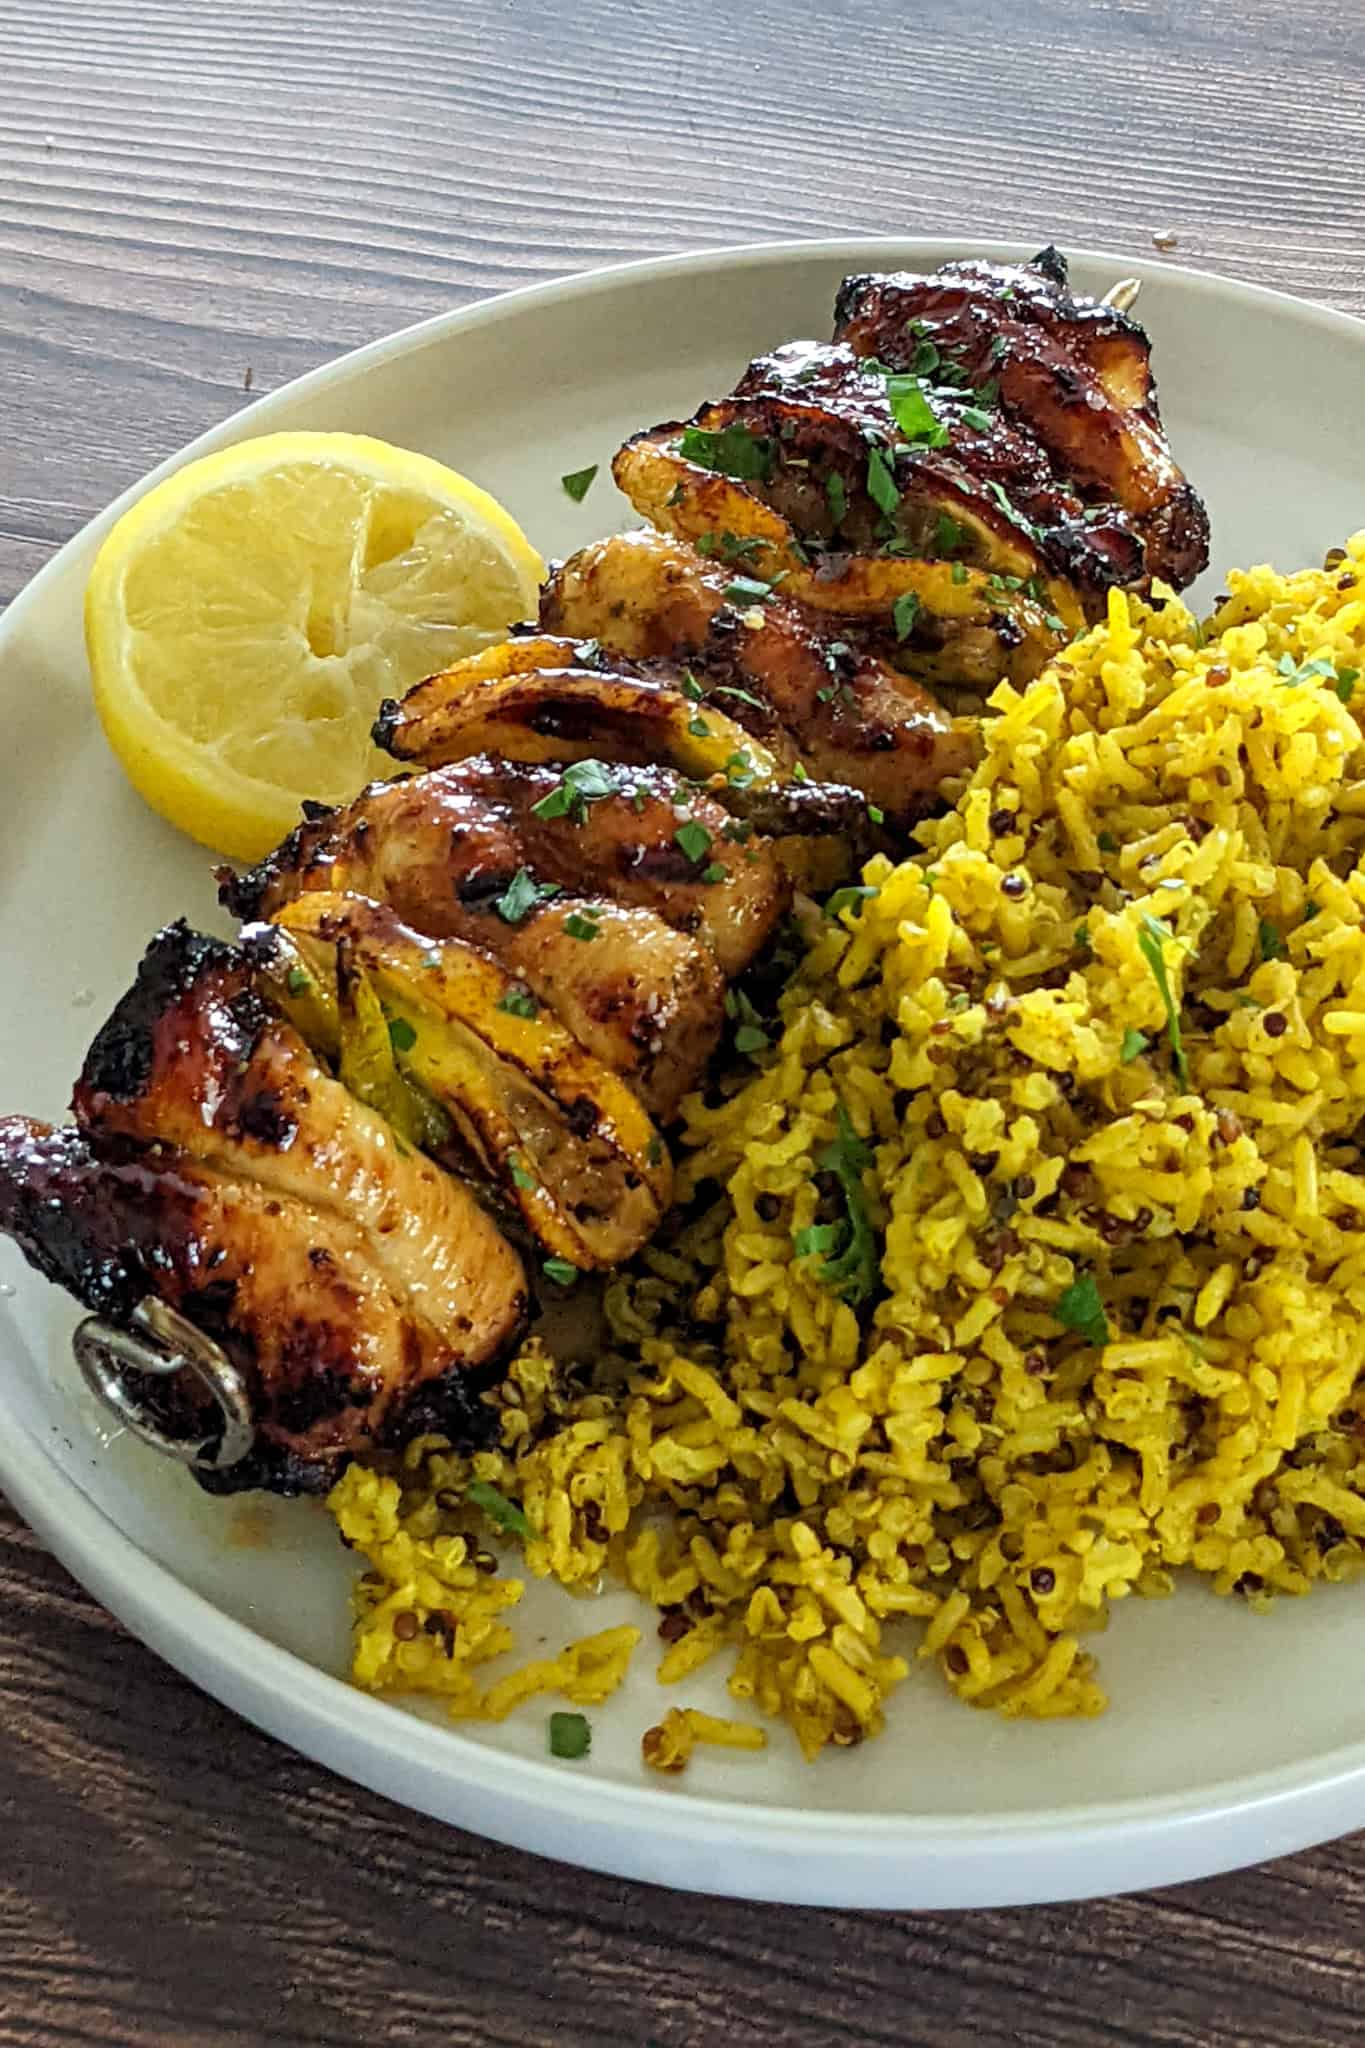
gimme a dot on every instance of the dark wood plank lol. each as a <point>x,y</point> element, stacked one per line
<point>188,192</point>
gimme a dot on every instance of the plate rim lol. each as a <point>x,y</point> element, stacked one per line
<point>1160,1838</point>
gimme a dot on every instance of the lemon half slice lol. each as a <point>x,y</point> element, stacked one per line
<point>247,616</point>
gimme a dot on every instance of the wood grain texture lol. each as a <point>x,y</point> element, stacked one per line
<point>189,191</point>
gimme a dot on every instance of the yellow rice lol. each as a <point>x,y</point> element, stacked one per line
<point>792,1479</point>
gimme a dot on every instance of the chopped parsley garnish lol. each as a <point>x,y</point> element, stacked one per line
<point>876,815</point>
<point>654,1151</point>
<point>913,414</point>
<point>1268,938</point>
<point>676,495</point>
<point>1082,937</point>
<point>1081,1309</point>
<point>582,924</point>
<point>750,1037</point>
<point>949,533</point>
<point>296,981</point>
<point>740,696</point>
<point>715,872</point>
<point>975,417</point>
<point>733,451</point>
<point>740,770</point>
<point>959,572</point>
<point>1347,678</point>
<point>570,1736</point>
<point>1301,672</point>
<point>1107,843</point>
<point>852,896</point>
<point>698,727</point>
<point>904,612</point>
<point>560,1270</point>
<point>521,896</point>
<point>747,590</point>
<point>817,1237</point>
<point>925,356</point>
<point>1310,911</point>
<point>836,496</point>
<point>1053,623</point>
<point>731,547</point>
<point>1134,1043</point>
<point>694,839</point>
<point>1152,945</point>
<point>578,482</point>
<point>881,482</point>
<point>402,1037</point>
<point>852,1270</point>
<point>581,784</point>
<point>498,1508</point>
<point>520,1176</point>
<point>800,772</point>
<point>691,688</point>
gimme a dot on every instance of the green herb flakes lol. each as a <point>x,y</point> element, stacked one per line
<point>1134,1044</point>
<point>402,1037</point>
<point>1268,938</point>
<point>561,1271</point>
<point>296,981</point>
<point>733,451</point>
<point>521,896</point>
<point>581,784</point>
<point>851,897</point>
<point>852,1271</point>
<point>498,1508</point>
<point>913,414</point>
<point>904,613</point>
<point>583,924</point>
<point>747,590</point>
<point>694,839</point>
<point>881,483</point>
<point>1081,1309</point>
<point>578,482</point>
<point>1152,942</point>
<point>836,497</point>
<point>570,1737</point>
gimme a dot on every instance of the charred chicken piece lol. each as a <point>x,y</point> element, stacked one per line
<point>334,1359</point>
<point>776,668</point>
<point>443,1043</point>
<point>1068,374</point>
<point>448,852</point>
<point>194,1057</point>
<point>982,418</point>
<point>625,712</point>
<point>561,700</point>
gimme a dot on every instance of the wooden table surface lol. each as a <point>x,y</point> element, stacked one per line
<point>194,198</point>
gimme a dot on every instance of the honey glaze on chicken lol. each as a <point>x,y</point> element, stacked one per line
<point>466,1001</point>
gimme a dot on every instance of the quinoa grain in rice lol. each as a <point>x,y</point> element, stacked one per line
<point>1029,1265</point>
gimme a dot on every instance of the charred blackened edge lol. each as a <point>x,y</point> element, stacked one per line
<point>120,1061</point>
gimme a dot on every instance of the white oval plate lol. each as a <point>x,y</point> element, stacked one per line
<point>1231,1737</point>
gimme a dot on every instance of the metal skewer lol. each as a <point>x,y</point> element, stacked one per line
<point>161,1342</point>
<point>1121,296</point>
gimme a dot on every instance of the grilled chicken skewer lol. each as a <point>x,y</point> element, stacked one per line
<point>620,901</point>
<point>335,1358</point>
<point>442,1043</point>
<point>773,665</point>
<point>1073,375</point>
<point>976,459</point>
